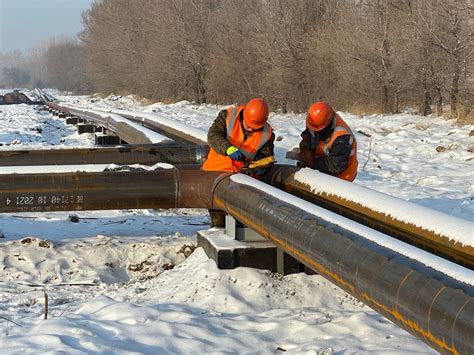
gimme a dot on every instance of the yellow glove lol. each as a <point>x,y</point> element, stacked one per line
<point>231,150</point>
<point>234,153</point>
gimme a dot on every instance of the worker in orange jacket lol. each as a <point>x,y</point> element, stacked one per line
<point>328,144</point>
<point>239,136</point>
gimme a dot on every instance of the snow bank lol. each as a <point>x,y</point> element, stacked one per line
<point>196,308</point>
<point>94,260</point>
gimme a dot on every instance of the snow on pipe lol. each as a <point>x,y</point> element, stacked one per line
<point>144,154</point>
<point>177,131</point>
<point>437,232</point>
<point>130,132</point>
<point>431,304</point>
<point>115,120</point>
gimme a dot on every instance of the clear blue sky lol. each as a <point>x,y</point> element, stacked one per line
<point>23,23</point>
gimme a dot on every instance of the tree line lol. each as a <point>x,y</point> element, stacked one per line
<point>55,63</point>
<point>359,55</point>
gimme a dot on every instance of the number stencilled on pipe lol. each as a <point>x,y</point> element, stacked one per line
<point>38,203</point>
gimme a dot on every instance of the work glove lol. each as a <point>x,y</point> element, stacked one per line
<point>234,153</point>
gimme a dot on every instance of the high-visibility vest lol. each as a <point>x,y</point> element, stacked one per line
<point>322,149</point>
<point>235,135</point>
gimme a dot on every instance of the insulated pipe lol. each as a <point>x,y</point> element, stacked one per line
<point>145,154</point>
<point>163,188</point>
<point>385,219</point>
<point>166,130</point>
<point>431,305</point>
<point>124,130</point>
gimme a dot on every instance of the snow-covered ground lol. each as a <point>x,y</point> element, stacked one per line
<point>125,281</point>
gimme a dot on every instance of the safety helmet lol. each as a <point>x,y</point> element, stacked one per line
<point>256,113</point>
<point>319,116</point>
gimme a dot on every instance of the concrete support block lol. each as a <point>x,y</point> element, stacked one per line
<point>72,120</point>
<point>106,139</point>
<point>238,231</point>
<point>85,128</point>
<point>229,253</point>
<point>286,264</point>
<point>238,245</point>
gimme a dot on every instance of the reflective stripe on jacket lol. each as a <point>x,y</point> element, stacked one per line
<point>249,145</point>
<point>323,147</point>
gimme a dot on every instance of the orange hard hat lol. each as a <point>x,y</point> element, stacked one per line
<point>256,113</point>
<point>320,115</point>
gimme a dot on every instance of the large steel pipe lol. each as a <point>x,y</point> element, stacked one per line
<point>165,127</point>
<point>130,132</point>
<point>384,219</point>
<point>165,188</point>
<point>431,305</point>
<point>174,130</point>
<point>146,154</point>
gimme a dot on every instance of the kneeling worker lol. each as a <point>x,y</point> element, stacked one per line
<point>241,140</point>
<point>328,144</point>
<point>239,137</point>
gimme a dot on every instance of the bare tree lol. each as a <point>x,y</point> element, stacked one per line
<point>37,64</point>
<point>186,38</point>
<point>13,71</point>
<point>377,54</point>
<point>65,67</point>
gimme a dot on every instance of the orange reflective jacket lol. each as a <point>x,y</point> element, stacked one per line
<point>323,148</point>
<point>235,135</point>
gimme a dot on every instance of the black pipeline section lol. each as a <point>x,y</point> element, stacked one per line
<point>283,178</point>
<point>162,188</point>
<point>144,154</point>
<point>430,305</point>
